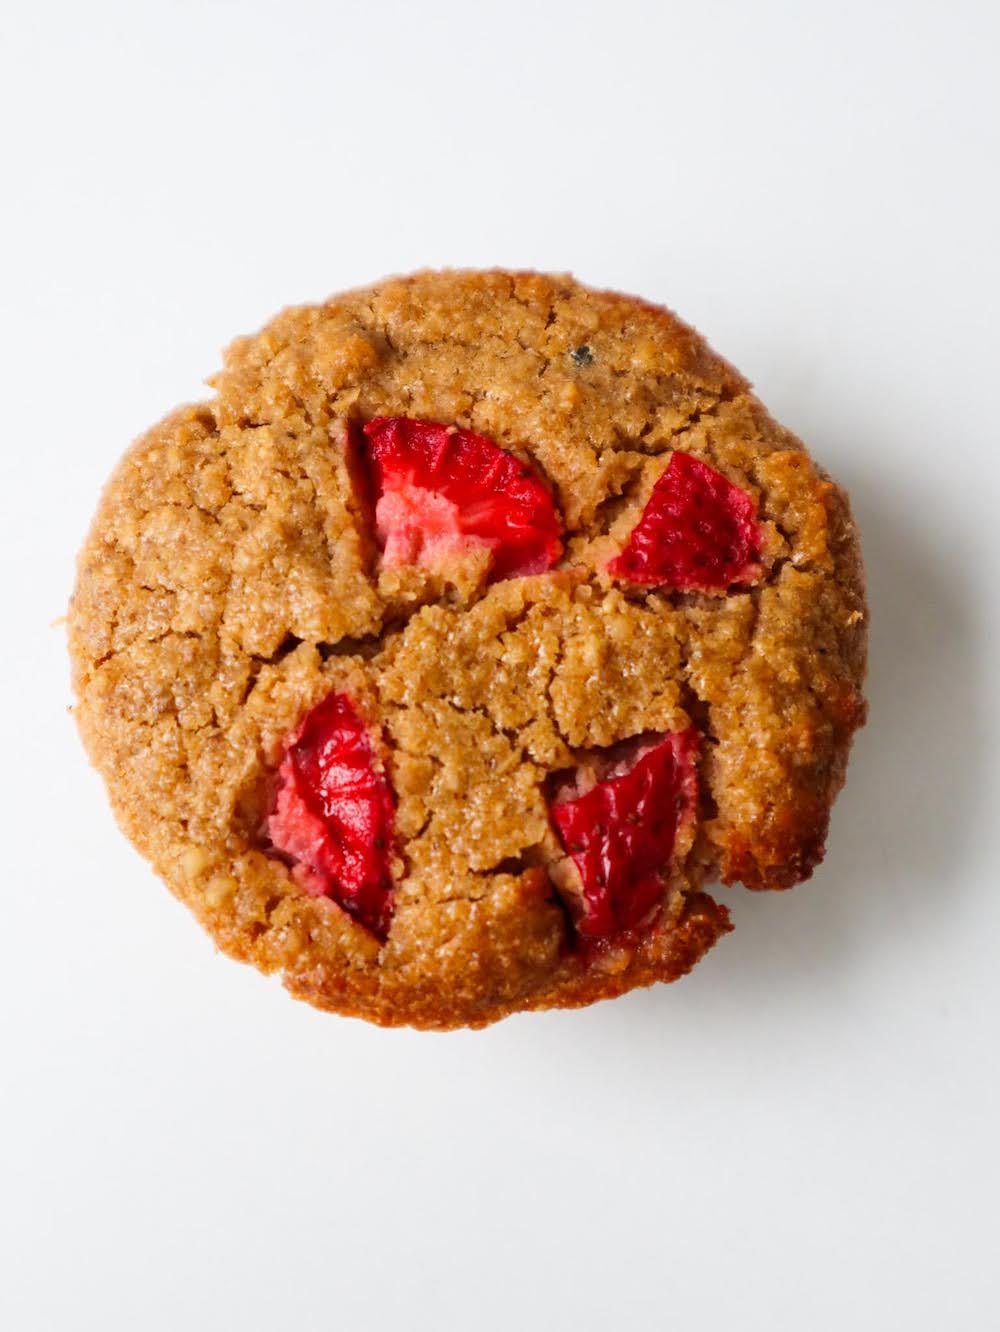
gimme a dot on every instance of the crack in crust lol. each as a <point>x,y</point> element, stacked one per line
<point>230,582</point>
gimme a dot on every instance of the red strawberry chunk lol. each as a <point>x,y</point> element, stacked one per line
<point>697,531</point>
<point>334,813</point>
<point>620,834</point>
<point>441,492</point>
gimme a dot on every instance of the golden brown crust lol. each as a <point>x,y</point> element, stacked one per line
<point>230,582</point>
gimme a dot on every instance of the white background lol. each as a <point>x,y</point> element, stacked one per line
<point>803,1134</point>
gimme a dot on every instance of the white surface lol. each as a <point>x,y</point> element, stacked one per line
<point>802,1135</point>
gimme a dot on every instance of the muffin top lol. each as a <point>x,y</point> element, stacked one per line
<point>475,624</point>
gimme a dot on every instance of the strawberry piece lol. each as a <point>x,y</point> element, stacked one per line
<point>334,813</point>
<point>620,834</point>
<point>441,492</point>
<point>697,531</point>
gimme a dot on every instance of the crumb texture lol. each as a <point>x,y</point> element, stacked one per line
<point>233,579</point>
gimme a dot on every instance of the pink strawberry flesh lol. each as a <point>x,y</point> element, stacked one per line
<point>334,813</point>
<point>621,833</point>
<point>441,492</point>
<point>697,531</point>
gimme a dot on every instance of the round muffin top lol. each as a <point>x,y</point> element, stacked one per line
<point>476,623</point>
